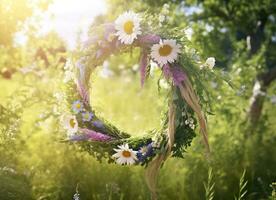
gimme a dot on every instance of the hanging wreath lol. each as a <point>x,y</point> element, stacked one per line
<point>187,102</point>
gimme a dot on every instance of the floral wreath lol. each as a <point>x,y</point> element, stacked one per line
<point>181,67</point>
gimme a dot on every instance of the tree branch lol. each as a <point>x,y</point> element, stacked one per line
<point>268,77</point>
<point>257,99</point>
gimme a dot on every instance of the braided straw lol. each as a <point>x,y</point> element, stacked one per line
<point>153,168</point>
<point>190,97</point>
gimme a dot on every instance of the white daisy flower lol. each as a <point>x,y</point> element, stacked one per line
<point>71,124</point>
<point>125,155</point>
<point>166,51</point>
<point>143,150</point>
<point>87,116</point>
<point>128,27</point>
<point>77,106</point>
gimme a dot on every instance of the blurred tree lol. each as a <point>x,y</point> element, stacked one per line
<point>50,48</point>
<point>13,13</point>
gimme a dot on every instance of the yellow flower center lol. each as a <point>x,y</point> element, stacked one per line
<point>165,50</point>
<point>72,123</point>
<point>78,106</point>
<point>128,27</point>
<point>126,154</point>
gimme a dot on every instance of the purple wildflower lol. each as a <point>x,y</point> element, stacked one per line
<point>96,136</point>
<point>174,72</point>
<point>178,75</point>
<point>145,152</point>
<point>78,137</point>
<point>98,124</point>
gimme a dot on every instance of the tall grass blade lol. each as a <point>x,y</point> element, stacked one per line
<point>242,187</point>
<point>210,186</point>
